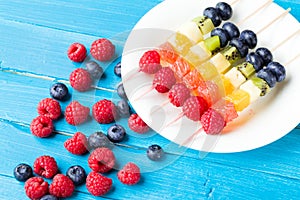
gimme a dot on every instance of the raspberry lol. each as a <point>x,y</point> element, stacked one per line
<point>98,184</point>
<point>101,160</point>
<point>45,166</point>
<point>36,187</point>
<point>77,52</point>
<point>50,108</point>
<point>76,113</point>
<point>194,107</point>
<point>136,124</point>
<point>104,111</point>
<point>102,49</point>
<point>163,80</point>
<point>80,80</point>
<point>178,94</point>
<point>61,186</point>
<point>150,62</point>
<point>130,174</point>
<point>212,122</point>
<point>77,144</point>
<point>41,126</point>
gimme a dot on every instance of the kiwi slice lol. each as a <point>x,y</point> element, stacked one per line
<point>205,24</point>
<point>261,84</point>
<point>212,43</point>
<point>247,69</point>
<point>231,54</point>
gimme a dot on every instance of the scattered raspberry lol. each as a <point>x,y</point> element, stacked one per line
<point>76,113</point>
<point>163,80</point>
<point>77,144</point>
<point>178,94</point>
<point>102,49</point>
<point>80,80</point>
<point>98,184</point>
<point>150,62</point>
<point>50,108</point>
<point>45,166</point>
<point>36,187</point>
<point>194,107</point>
<point>130,174</point>
<point>101,160</point>
<point>77,52</point>
<point>136,124</point>
<point>61,186</point>
<point>104,111</point>
<point>212,122</point>
<point>41,126</point>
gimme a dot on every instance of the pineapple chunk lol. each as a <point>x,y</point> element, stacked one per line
<point>252,89</point>
<point>229,88</point>
<point>220,62</point>
<point>191,31</point>
<point>236,77</point>
<point>180,43</point>
<point>198,54</point>
<point>240,99</point>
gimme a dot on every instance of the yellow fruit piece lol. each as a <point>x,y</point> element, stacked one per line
<point>191,30</point>
<point>208,71</point>
<point>240,99</point>
<point>229,88</point>
<point>220,62</point>
<point>180,43</point>
<point>198,54</point>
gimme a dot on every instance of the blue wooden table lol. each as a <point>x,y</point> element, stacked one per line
<point>34,38</point>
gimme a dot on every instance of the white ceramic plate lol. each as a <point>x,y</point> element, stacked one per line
<point>264,122</point>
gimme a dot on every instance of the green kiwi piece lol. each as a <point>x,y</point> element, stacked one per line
<point>247,69</point>
<point>205,24</point>
<point>261,84</point>
<point>212,43</point>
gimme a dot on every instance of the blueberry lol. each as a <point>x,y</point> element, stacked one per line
<point>265,54</point>
<point>77,174</point>
<point>94,69</point>
<point>121,92</point>
<point>59,91</point>
<point>278,70</point>
<point>117,69</point>
<point>241,47</point>
<point>213,14</point>
<point>23,172</point>
<point>116,133</point>
<point>224,10</point>
<point>49,197</point>
<point>223,36</point>
<point>268,76</point>
<point>98,139</point>
<point>255,60</point>
<point>155,152</point>
<point>123,108</point>
<point>232,30</point>
<point>249,38</point>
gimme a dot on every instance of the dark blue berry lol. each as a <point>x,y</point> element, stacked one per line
<point>268,76</point>
<point>213,14</point>
<point>23,172</point>
<point>77,174</point>
<point>232,30</point>
<point>241,47</point>
<point>265,54</point>
<point>223,36</point>
<point>155,152</point>
<point>278,70</point>
<point>94,69</point>
<point>117,69</point>
<point>224,10</point>
<point>123,108</point>
<point>59,91</point>
<point>249,38</point>
<point>98,139</point>
<point>49,197</point>
<point>116,133</point>
<point>255,60</point>
<point>121,92</point>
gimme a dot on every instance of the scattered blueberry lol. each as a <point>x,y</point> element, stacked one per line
<point>278,70</point>
<point>155,152</point>
<point>265,54</point>
<point>237,43</point>
<point>268,76</point>
<point>213,14</point>
<point>123,108</point>
<point>94,69</point>
<point>98,139</point>
<point>224,10</point>
<point>22,172</point>
<point>117,69</point>
<point>49,197</point>
<point>116,133</point>
<point>249,38</point>
<point>223,36</point>
<point>59,91</point>
<point>255,60</point>
<point>121,92</point>
<point>232,30</point>
<point>77,174</point>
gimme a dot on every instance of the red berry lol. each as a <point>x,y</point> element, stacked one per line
<point>102,49</point>
<point>41,126</point>
<point>36,187</point>
<point>194,107</point>
<point>45,166</point>
<point>136,124</point>
<point>77,52</point>
<point>77,144</point>
<point>178,94</point>
<point>150,62</point>
<point>80,80</point>
<point>212,122</point>
<point>130,174</point>
<point>98,184</point>
<point>163,80</point>
<point>101,160</point>
<point>76,113</point>
<point>104,111</point>
<point>50,108</point>
<point>61,186</point>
